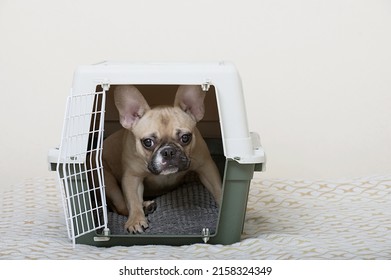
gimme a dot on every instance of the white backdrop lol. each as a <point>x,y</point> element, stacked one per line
<point>316,74</point>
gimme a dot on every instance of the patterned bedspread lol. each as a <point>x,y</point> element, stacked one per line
<point>285,219</point>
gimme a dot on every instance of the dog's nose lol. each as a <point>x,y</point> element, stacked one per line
<point>168,153</point>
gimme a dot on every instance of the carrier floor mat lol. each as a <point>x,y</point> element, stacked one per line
<point>186,210</point>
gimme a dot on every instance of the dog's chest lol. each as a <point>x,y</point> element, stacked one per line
<point>160,184</point>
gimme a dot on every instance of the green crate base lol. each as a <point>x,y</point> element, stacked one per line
<point>237,178</point>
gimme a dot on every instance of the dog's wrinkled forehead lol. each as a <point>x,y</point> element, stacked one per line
<point>164,122</point>
<point>132,106</point>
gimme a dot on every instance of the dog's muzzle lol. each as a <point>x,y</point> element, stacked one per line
<point>168,159</point>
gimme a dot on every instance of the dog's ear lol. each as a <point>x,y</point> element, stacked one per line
<point>190,98</point>
<point>131,105</point>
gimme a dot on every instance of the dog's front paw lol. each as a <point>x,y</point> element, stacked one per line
<point>149,207</point>
<point>136,224</point>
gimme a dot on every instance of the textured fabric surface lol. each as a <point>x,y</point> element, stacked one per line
<point>186,210</point>
<point>285,219</point>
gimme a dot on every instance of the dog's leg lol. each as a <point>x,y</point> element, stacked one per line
<point>211,180</point>
<point>115,199</point>
<point>133,190</point>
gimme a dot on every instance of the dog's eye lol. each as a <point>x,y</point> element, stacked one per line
<point>186,138</point>
<point>147,143</point>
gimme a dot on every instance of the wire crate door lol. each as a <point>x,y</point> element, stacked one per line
<point>79,168</point>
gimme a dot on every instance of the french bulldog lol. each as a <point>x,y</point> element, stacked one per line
<point>153,151</point>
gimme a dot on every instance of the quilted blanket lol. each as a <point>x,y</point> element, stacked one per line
<point>285,219</point>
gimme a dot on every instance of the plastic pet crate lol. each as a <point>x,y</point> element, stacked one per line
<point>186,215</point>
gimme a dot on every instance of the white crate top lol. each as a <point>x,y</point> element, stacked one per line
<point>238,143</point>
<point>86,77</point>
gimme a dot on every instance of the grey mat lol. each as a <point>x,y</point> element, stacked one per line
<point>186,210</point>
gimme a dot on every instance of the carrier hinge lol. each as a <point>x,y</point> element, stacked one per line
<point>104,237</point>
<point>105,85</point>
<point>205,86</point>
<point>205,235</point>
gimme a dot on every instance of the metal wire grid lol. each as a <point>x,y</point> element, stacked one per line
<point>79,168</point>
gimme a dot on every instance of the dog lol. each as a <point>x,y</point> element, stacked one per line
<point>153,151</point>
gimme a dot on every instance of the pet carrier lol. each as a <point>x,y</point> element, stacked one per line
<point>185,215</point>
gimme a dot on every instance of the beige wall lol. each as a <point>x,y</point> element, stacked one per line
<point>316,74</point>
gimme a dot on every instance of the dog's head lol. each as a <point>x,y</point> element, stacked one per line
<point>164,136</point>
